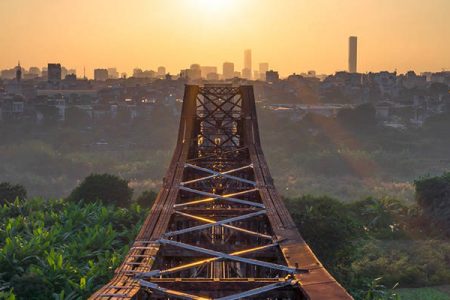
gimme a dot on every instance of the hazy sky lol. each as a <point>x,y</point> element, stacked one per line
<point>292,35</point>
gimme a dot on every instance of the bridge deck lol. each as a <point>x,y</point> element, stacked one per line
<point>218,228</point>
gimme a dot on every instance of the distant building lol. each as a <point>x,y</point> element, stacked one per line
<point>148,74</point>
<point>311,73</point>
<point>212,76</point>
<point>263,68</point>
<point>64,72</point>
<point>137,73</point>
<point>228,70</point>
<point>272,76</point>
<point>161,72</point>
<point>100,74</point>
<point>71,72</point>
<point>18,73</point>
<point>206,70</point>
<point>71,77</point>
<point>12,108</point>
<point>8,73</point>
<point>352,54</point>
<point>247,71</point>
<point>35,71</point>
<point>112,73</point>
<point>441,77</point>
<point>194,72</point>
<point>54,73</point>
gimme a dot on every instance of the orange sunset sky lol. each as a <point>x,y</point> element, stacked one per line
<point>292,35</point>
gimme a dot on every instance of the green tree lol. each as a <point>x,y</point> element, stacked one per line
<point>328,227</point>
<point>76,117</point>
<point>9,192</point>
<point>146,199</point>
<point>433,196</point>
<point>104,187</point>
<point>362,118</point>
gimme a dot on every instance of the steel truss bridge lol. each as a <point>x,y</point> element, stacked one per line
<point>218,228</point>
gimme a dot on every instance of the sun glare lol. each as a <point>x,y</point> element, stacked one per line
<point>214,5</point>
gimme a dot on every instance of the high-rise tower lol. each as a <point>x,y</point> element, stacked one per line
<point>247,71</point>
<point>352,54</point>
<point>54,73</point>
<point>18,72</point>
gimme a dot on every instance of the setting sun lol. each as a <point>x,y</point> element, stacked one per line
<point>214,5</point>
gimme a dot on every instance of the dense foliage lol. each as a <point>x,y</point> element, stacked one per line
<point>55,249</point>
<point>146,199</point>
<point>373,238</point>
<point>66,250</point>
<point>433,196</point>
<point>9,192</point>
<point>104,187</point>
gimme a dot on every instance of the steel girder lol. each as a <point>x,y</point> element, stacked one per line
<point>218,221</point>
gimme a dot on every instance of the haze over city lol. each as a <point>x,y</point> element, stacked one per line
<point>292,35</point>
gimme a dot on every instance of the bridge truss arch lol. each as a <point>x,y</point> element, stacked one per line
<point>218,228</point>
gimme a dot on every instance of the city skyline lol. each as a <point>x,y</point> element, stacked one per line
<point>293,36</point>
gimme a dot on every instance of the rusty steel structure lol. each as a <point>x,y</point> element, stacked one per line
<point>218,228</point>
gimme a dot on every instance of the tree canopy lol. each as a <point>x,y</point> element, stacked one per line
<point>106,188</point>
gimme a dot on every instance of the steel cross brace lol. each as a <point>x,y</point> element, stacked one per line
<point>217,174</point>
<point>174,293</point>
<point>218,223</point>
<point>225,225</point>
<point>201,262</point>
<point>219,107</point>
<point>258,291</point>
<point>218,155</point>
<point>215,196</point>
<point>253,292</point>
<point>231,257</point>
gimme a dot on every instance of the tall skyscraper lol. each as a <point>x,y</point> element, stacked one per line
<point>54,73</point>
<point>247,71</point>
<point>228,70</point>
<point>352,54</point>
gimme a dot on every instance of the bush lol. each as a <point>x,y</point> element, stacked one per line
<point>9,192</point>
<point>146,199</point>
<point>384,218</point>
<point>410,263</point>
<point>104,187</point>
<point>328,227</point>
<point>433,196</point>
<point>31,286</point>
<point>56,247</point>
